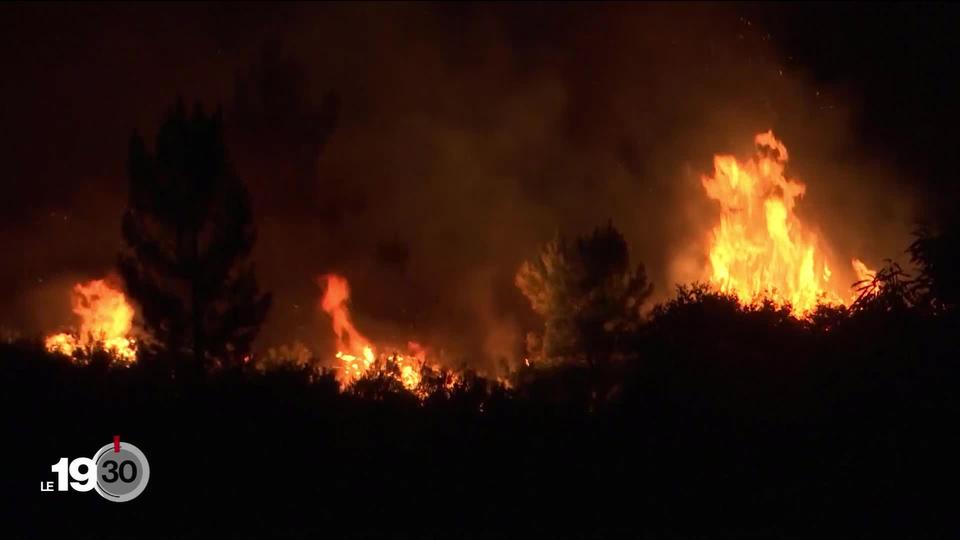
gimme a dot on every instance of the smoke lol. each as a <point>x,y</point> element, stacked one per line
<point>443,144</point>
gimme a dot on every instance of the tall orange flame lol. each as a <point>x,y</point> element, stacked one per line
<point>356,353</point>
<point>760,248</point>
<point>354,350</point>
<point>106,321</point>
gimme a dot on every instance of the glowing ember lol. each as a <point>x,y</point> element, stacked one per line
<point>760,248</point>
<point>106,321</point>
<point>358,357</point>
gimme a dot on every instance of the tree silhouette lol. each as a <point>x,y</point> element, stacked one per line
<point>587,294</point>
<point>188,232</point>
<point>937,255</point>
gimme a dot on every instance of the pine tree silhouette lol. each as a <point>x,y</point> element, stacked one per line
<point>188,232</point>
<point>587,294</point>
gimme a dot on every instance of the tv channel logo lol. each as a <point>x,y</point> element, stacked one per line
<point>118,471</point>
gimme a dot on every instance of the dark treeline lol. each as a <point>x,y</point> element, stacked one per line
<point>726,421</point>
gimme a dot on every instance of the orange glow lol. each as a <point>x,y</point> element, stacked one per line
<point>863,272</point>
<point>106,321</point>
<point>760,248</point>
<point>357,354</point>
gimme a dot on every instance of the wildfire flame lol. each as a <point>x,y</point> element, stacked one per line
<point>357,355</point>
<point>106,321</point>
<point>760,248</point>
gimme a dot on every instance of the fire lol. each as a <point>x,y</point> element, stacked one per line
<point>760,248</point>
<point>864,273</point>
<point>357,355</point>
<point>106,321</point>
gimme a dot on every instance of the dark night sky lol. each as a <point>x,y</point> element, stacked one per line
<point>465,135</point>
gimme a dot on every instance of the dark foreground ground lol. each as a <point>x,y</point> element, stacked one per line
<point>722,425</point>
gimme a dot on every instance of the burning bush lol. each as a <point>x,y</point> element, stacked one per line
<point>106,322</point>
<point>359,359</point>
<point>760,247</point>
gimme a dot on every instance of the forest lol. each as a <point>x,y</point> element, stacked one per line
<point>703,416</point>
<point>481,270</point>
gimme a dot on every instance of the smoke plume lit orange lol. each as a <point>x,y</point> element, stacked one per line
<point>106,321</point>
<point>760,248</point>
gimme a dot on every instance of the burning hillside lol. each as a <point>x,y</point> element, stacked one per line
<point>760,248</point>
<point>106,322</point>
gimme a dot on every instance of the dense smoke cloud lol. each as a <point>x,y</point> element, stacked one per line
<point>423,151</point>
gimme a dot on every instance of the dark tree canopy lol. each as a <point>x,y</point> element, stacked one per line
<point>188,233</point>
<point>937,255</point>
<point>586,293</point>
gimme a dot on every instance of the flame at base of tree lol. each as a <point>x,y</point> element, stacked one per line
<point>760,249</point>
<point>106,322</point>
<point>357,356</point>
